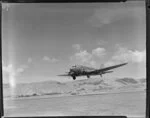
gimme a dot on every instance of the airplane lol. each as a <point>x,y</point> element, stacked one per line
<point>80,70</point>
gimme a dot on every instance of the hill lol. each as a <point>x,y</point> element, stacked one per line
<point>78,87</point>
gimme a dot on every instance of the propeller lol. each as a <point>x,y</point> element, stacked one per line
<point>70,72</point>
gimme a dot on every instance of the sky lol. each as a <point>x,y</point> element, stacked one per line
<point>41,41</point>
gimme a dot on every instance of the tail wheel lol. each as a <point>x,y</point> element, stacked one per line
<point>74,77</point>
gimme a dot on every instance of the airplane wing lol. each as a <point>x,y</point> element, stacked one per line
<point>107,68</point>
<point>64,75</point>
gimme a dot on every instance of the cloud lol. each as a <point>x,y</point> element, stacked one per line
<point>92,63</point>
<point>99,52</point>
<point>76,46</point>
<point>9,69</point>
<point>127,55</point>
<point>85,57</point>
<point>109,63</point>
<point>100,17</point>
<point>45,58</point>
<point>29,60</point>
<point>124,54</point>
<point>21,69</point>
<point>52,60</point>
<point>13,72</point>
<point>101,42</point>
<point>103,16</point>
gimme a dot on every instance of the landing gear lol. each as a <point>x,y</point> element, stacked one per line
<point>88,76</point>
<point>74,77</point>
<point>101,75</point>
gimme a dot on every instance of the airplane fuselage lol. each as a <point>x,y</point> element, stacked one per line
<point>84,71</point>
<point>80,70</point>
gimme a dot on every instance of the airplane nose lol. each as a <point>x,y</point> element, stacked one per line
<point>71,71</point>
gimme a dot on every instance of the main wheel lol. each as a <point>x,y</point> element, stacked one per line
<point>88,76</point>
<point>74,77</point>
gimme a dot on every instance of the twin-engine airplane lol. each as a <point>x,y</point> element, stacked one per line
<point>79,70</point>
